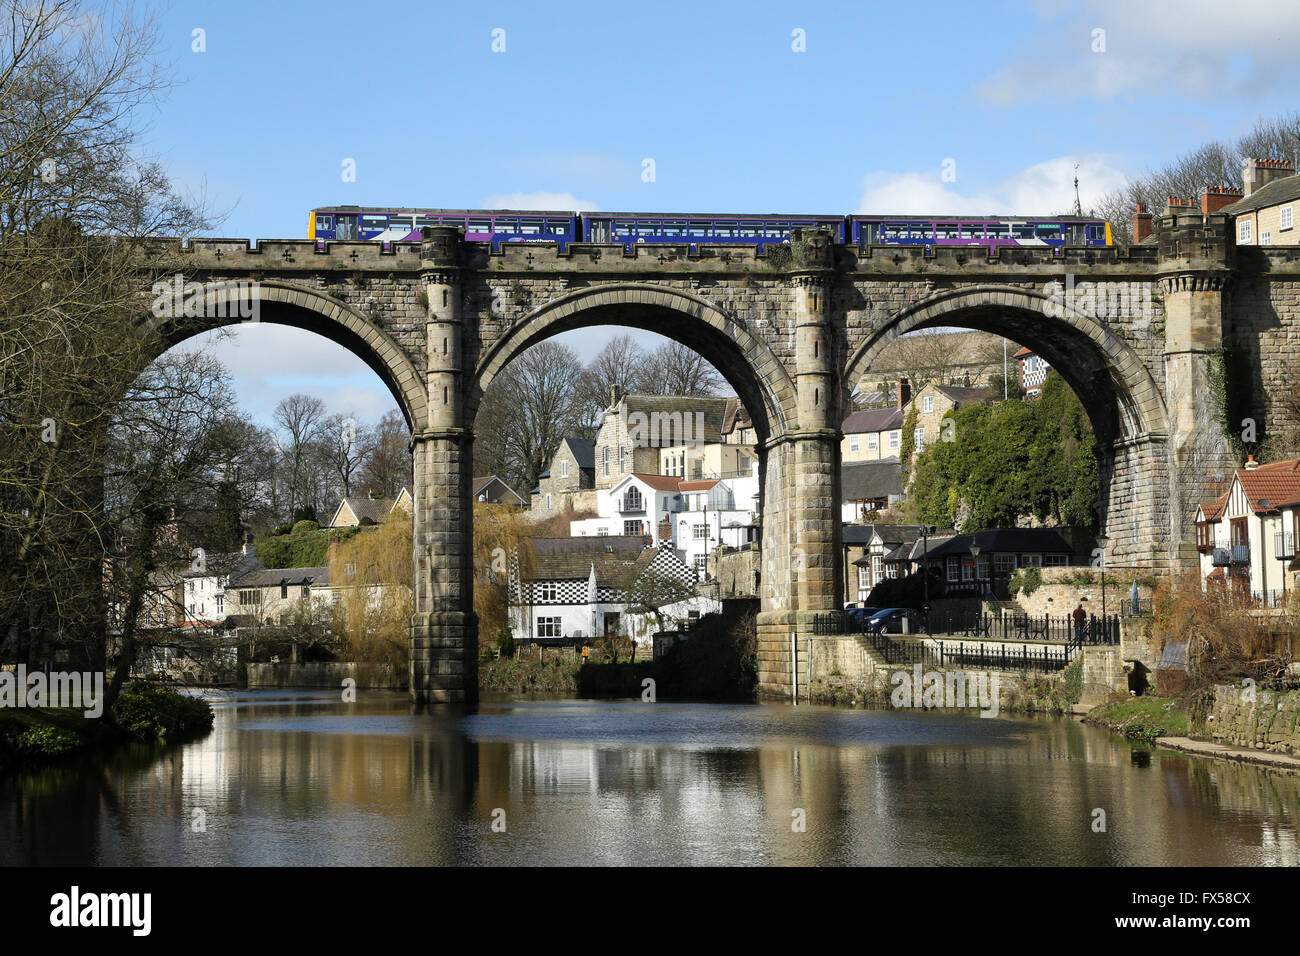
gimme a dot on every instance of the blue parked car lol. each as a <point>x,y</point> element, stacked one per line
<point>890,621</point>
<point>858,616</point>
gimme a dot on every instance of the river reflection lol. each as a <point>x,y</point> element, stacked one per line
<point>301,778</point>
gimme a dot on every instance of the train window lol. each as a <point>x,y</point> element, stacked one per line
<point>893,230</point>
<point>505,224</point>
<point>624,227</point>
<point>647,227</point>
<point>776,230</point>
<point>922,230</point>
<point>1094,233</point>
<point>972,230</point>
<point>998,230</point>
<point>750,230</point>
<point>400,222</point>
<point>422,222</point>
<point>479,225</point>
<point>1048,230</point>
<point>724,230</point>
<point>379,223</point>
<point>700,229</point>
<point>1022,230</point>
<point>947,230</point>
<point>322,222</point>
<point>674,228</point>
<point>530,227</point>
<point>557,227</point>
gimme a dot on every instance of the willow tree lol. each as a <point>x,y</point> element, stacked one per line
<point>372,572</point>
<point>503,558</point>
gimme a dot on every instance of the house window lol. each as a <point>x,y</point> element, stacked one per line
<point>700,561</point>
<point>632,500</point>
<point>918,438</point>
<point>548,591</point>
<point>1240,535</point>
<point>893,438</point>
<point>284,592</point>
<point>954,567</point>
<point>1055,560</point>
<point>853,443</point>
<point>604,459</point>
<point>1243,231</point>
<point>864,579</point>
<point>631,527</point>
<point>548,502</point>
<point>1031,560</point>
<point>1004,563</point>
<point>1266,238</point>
<point>622,465</point>
<point>699,531</point>
<point>927,403</point>
<point>549,627</point>
<point>564,469</point>
<point>1203,535</point>
<point>221,604</point>
<point>1284,218</point>
<point>968,569</point>
<point>873,441</point>
<point>603,533</point>
<point>306,590</point>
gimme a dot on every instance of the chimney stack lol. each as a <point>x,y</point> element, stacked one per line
<point>904,392</point>
<point>1251,464</point>
<point>1216,197</point>
<point>1261,172</point>
<point>1141,225</point>
<point>1174,205</point>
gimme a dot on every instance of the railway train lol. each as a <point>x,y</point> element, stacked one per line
<point>629,228</point>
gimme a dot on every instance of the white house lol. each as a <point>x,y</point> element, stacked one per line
<point>715,513</point>
<point>574,587</point>
<point>1247,537</point>
<point>636,505</point>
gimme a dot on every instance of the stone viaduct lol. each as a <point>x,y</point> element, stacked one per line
<point>1138,334</point>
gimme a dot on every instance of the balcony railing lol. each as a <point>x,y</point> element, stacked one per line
<point>1284,545</point>
<point>1237,554</point>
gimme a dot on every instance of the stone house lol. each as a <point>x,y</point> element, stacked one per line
<point>872,435</point>
<point>868,486</point>
<point>1266,214</point>
<point>634,428</point>
<point>934,401</point>
<point>569,480</point>
<point>492,490</point>
<point>353,511</point>
<point>272,596</point>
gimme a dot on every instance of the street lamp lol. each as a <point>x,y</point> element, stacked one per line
<point>925,572</point>
<point>1102,541</point>
<point>975,554</point>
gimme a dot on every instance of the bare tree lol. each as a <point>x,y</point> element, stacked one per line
<point>387,466</point>
<point>301,419</point>
<point>676,369</point>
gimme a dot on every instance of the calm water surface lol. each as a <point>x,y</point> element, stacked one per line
<point>291,777</point>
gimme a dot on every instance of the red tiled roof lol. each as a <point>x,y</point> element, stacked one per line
<point>1271,485</point>
<point>659,482</point>
<point>1024,351</point>
<point>1213,509</point>
<point>703,485</point>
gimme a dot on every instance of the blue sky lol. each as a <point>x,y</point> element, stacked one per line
<point>1012,95</point>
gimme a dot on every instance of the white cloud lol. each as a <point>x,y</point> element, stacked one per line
<point>555,202</point>
<point>1043,189</point>
<point>1194,47</point>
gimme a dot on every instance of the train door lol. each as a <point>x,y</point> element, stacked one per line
<point>599,230</point>
<point>345,227</point>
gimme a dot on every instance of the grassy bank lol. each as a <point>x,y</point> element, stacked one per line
<point>1142,718</point>
<point>509,675</point>
<point>143,713</point>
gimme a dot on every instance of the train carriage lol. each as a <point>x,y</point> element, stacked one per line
<point>481,225</point>
<point>633,228</point>
<point>979,231</point>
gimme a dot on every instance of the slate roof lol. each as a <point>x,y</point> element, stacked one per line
<point>963,394</point>
<point>481,483</point>
<point>1278,191</point>
<point>665,435</point>
<point>376,509</point>
<point>735,416</point>
<point>873,420</point>
<point>583,451</point>
<point>566,559</point>
<point>233,563</point>
<point>274,577</point>
<point>864,480</point>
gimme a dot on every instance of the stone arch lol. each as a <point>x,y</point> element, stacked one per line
<point>743,359</point>
<point>283,303</point>
<point>1097,363</point>
<point>1139,491</point>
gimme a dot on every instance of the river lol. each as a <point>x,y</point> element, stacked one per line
<point>299,777</point>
